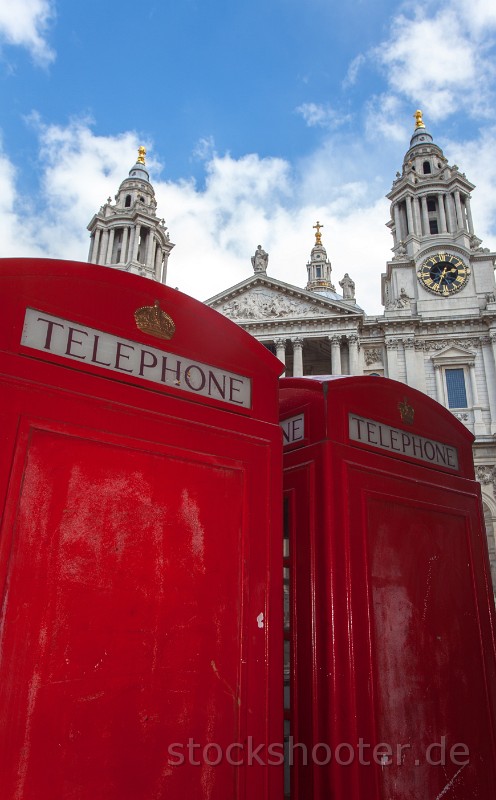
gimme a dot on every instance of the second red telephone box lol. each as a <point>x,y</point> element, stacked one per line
<point>389,624</point>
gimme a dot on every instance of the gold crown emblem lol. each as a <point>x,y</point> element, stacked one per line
<point>407,411</point>
<point>154,321</point>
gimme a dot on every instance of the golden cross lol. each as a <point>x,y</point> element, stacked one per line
<point>419,122</point>
<point>318,235</point>
<point>141,155</point>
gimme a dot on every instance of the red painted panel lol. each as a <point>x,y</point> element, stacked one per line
<point>117,587</point>
<point>428,657</point>
<point>416,571</point>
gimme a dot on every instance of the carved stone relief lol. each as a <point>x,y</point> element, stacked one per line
<point>486,474</point>
<point>442,344</point>
<point>264,305</point>
<point>373,356</point>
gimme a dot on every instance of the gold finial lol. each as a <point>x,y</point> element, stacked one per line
<point>419,122</point>
<point>141,155</point>
<point>318,235</point>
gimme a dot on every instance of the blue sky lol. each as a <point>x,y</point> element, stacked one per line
<point>259,118</point>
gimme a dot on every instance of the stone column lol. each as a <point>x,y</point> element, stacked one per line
<point>297,357</point>
<point>353,351</point>
<point>110,246</point>
<point>473,385</point>
<point>492,337</point>
<point>281,350</point>
<point>416,213</point>
<point>125,234</point>
<point>336,355</point>
<point>103,247</point>
<point>137,231</point>
<point>392,358</point>
<point>152,253</point>
<point>469,215</point>
<point>409,214</point>
<point>131,243</point>
<point>95,245</point>
<point>439,385</point>
<point>158,261</point>
<point>420,383</point>
<point>479,427</point>
<point>442,215</point>
<point>490,373</point>
<point>149,245</point>
<point>397,222</point>
<point>459,214</point>
<point>425,216</point>
<point>410,362</point>
<point>450,208</point>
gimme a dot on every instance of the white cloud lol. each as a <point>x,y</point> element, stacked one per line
<point>353,70</point>
<point>243,202</point>
<point>384,119</point>
<point>440,58</point>
<point>322,115</point>
<point>478,160</point>
<point>205,148</point>
<point>25,23</point>
<point>478,15</point>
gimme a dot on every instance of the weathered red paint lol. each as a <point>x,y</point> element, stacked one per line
<point>393,617</point>
<point>138,575</point>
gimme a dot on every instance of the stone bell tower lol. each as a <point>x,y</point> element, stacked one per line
<point>127,234</point>
<point>438,264</point>
<point>319,267</point>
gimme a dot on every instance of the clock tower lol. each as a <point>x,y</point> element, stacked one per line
<point>438,263</point>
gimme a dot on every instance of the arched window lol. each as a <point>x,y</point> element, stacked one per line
<point>427,168</point>
<point>127,204</point>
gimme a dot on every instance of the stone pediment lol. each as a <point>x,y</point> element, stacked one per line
<point>264,299</point>
<point>453,353</point>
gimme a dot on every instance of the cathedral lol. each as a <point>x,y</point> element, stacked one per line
<point>438,330</point>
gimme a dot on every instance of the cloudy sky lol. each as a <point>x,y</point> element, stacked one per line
<point>259,117</point>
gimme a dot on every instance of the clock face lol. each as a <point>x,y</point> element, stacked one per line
<point>443,274</point>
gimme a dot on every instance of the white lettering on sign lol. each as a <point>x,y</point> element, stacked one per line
<point>376,434</point>
<point>293,429</point>
<point>60,337</point>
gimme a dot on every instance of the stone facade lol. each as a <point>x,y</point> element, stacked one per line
<point>438,330</point>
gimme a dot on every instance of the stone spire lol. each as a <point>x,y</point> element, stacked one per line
<point>128,235</point>
<point>431,224</point>
<point>319,267</point>
<point>430,200</point>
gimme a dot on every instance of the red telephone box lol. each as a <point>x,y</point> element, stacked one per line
<point>389,623</point>
<point>140,481</point>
